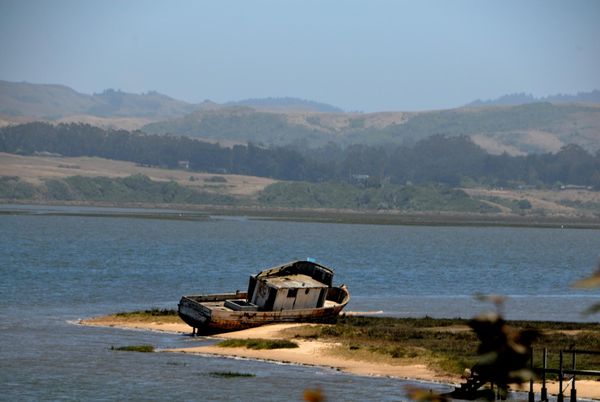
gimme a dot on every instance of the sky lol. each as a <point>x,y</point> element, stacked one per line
<point>370,55</point>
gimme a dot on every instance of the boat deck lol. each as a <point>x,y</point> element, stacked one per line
<point>216,305</point>
<point>220,305</point>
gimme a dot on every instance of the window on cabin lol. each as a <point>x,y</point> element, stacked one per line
<point>292,292</point>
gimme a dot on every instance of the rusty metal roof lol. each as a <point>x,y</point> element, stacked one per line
<point>293,281</point>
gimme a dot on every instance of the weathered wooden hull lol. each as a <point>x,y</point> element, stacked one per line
<point>207,314</point>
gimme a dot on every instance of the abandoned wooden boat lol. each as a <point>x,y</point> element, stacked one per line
<point>299,291</point>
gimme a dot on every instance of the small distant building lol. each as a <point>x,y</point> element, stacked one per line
<point>575,187</point>
<point>525,187</point>
<point>184,165</point>
<point>47,154</point>
<point>360,178</point>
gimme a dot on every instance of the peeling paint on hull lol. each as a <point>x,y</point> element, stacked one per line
<point>208,314</point>
<point>299,291</point>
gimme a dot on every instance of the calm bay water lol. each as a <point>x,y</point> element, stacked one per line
<point>57,269</point>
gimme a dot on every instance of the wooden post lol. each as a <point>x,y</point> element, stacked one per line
<point>531,393</point>
<point>560,397</point>
<point>573,390</point>
<point>544,391</point>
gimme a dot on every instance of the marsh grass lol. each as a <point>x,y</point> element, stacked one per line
<point>134,348</point>
<point>258,343</point>
<point>231,374</point>
<point>154,312</point>
<point>152,315</point>
<point>446,345</point>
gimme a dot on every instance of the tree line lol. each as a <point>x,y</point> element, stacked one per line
<point>450,161</point>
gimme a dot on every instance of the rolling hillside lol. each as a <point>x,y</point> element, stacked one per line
<point>516,130</point>
<point>531,127</point>
<point>53,102</point>
<point>592,97</point>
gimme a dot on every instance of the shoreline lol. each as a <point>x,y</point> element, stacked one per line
<point>309,353</point>
<point>344,216</point>
<point>315,353</point>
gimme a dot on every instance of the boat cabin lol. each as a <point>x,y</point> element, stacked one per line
<point>288,293</point>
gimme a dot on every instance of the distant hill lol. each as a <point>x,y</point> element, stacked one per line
<point>522,98</point>
<point>21,99</point>
<point>497,126</point>
<point>530,128</point>
<point>238,124</point>
<point>287,104</point>
<point>52,102</point>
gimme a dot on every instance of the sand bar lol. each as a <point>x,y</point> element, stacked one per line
<point>314,353</point>
<point>112,321</point>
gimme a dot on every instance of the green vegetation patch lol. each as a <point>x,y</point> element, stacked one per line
<point>448,345</point>
<point>216,179</point>
<point>152,315</point>
<point>258,343</point>
<point>13,188</point>
<point>389,197</point>
<point>153,312</point>
<point>237,124</point>
<point>231,374</point>
<point>539,116</point>
<point>516,206</point>
<point>134,348</point>
<point>135,188</point>
<point>589,205</point>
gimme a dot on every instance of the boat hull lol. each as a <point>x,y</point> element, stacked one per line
<point>208,314</point>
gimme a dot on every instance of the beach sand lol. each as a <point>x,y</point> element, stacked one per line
<point>178,327</point>
<point>315,353</point>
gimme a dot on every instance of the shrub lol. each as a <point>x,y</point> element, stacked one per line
<point>135,348</point>
<point>258,344</point>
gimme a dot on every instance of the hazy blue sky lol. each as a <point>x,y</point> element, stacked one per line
<point>358,55</point>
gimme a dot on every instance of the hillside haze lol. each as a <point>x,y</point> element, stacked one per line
<point>50,102</point>
<point>497,126</point>
<point>522,98</point>
<point>516,130</point>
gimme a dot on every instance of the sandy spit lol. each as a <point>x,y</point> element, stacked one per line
<point>316,353</point>
<point>313,353</point>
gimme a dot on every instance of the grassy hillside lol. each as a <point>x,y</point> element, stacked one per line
<point>56,101</point>
<point>103,180</point>
<point>37,169</point>
<point>339,195</point>
<point>52,102</point>
<point>538,127</point>
<point>241,124</point>
<point>528,128</point>
<point>42,101</point>
<point>592,97</point>
<point>141,189</point>
<point>137,188</point>
<point>287,104</point>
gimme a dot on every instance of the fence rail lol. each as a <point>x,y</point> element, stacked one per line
<point>561,371</point>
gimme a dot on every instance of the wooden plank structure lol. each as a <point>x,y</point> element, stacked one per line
<point>472,388</point>
<point>562,373</point>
